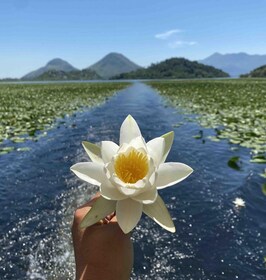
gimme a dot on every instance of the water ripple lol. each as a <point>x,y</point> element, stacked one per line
<point>214,240</point>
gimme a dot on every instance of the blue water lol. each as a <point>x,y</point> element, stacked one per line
<point>213,239</point>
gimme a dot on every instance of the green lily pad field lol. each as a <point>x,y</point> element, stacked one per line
<point>236,109</point>
<point>28,108</point>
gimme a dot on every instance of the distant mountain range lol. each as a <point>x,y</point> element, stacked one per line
<point>116,65</point>
<point>113,64</point>
<point>236,63</point>
<point>174,68</point>
<point>59,69</point>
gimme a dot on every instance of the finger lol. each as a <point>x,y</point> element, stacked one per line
<point>114,219</point>
<point>110,217</point>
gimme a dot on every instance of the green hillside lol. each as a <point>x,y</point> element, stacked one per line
<point>174,68</point>
<point>259,72</point>
<point>53,75</point>
<point>56,64</point>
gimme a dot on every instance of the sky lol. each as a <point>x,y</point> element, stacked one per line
<point>32,32</point>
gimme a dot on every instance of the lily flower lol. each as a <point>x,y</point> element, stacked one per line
<point>239,202</point>
<point>129,176</point>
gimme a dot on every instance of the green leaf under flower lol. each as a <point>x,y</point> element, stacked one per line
<point>100,209</point>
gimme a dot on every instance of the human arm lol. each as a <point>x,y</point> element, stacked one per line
<point>102,251</point>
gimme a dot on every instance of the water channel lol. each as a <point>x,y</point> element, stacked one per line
<point>213,239</point>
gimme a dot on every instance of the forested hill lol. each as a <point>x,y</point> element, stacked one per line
<point>54,75</point>
<point>174,68</point>
<point>259,72</point>
<point>56,64</point>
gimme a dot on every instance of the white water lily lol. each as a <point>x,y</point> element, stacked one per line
<point>129,177</point>
<point>239,202</point>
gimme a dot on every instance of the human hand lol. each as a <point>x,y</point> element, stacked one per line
<point>102,251</point>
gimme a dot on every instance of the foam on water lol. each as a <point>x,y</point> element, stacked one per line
<point>53,258</point>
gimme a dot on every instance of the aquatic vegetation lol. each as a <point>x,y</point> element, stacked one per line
<point>235,163</point>
<point>28,108</point>
<point>235,108</point>
<point>263,188</point>
<point>263,174</point>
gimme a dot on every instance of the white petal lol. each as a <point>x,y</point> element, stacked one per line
<point>110,192</point>
<point>108,189</point>
<point>147,197</point>
<point>171,173</point>
<point>123,148</point>
<point>153,178</point>
<point>128,213</point>
<point>156,149</point>
<point>140,184</point>
<point>138,143</point>
<point>108,150</point>
<point>93,151</point>
<point>152,169</point>
<point>169,138</point>
<point>129,130</point>
<point>109,170</point>
<point>90,172</point>
<point>127,191</point>
<point>159,213</point>
<point>100,209</point>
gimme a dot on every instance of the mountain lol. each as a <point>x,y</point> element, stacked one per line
<point>54,75</point>
<point>174,68</point>
<point>56,64</point>
<point>113,64</point>
<point>259,72</point>
<point>236,63</point>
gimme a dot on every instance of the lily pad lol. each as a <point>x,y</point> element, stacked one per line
<point>177,124</point>
<point>263,174</point>
<point>223,105</point>
<point>263,188</point>
<point>214,138</point>
<point>17,139</point>
<point>258,159</point>
<point>6,150</point>
<point>199,136</point>
<point>234,162</point>
<point>23,149</point>
<point>26,109</point>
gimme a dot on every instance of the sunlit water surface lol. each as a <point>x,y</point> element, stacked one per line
<point>213,239</point>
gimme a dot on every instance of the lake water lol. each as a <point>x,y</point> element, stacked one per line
<point>213,239</point>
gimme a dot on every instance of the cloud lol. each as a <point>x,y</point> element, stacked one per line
<point>177,44</point>
<point>166,35</point>
<point>174,39</point>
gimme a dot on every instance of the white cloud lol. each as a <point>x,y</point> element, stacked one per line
<point>167,34</point>
<point>177,44</point>
<point>174,39</point>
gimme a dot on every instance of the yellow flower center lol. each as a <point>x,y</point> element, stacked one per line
<point>131,167</point>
